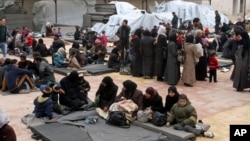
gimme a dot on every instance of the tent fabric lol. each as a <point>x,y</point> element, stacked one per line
<point>136,17</point>
<point>68,12</point>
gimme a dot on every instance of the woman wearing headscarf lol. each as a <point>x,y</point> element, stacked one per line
<point>106,93</point>
<point>59,58</point>
<point>241,75</point>
<point>171,99</point>
<point>172,71</point>
<point>201,66</point>
<point>72,97</point>
<point>73,63</point>
<point>160,53</point>
<point>188,75</point>
<point>130,92</point>
<point>147,52</point>
<point>114,59</point>
<point>7,133</point>
<point>136,51</point>
<point>152,100</point>
<point>79,57</point>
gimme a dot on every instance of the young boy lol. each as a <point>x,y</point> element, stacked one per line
<point>84,87</point>
<point>44,104</point>
<point>213,66</point>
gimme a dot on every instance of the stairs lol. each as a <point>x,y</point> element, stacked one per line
<point>102,14</point>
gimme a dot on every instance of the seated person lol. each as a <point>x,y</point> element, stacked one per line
<point>43,104</point>
<point>171,99</point>
<point>83,84</point>
<point>57,43</point>
<point>27,64</point>
<point>80,57</point>
<point>59,60</point>
<point>7,133</point>
<point>114,59</point>
<point>130,92</point>
<point>56,89</point>
<point>106,93</point>
<point>186,117</point>
<point>49,31</point>
<point>2,70</point>
<point>73,63</point>
<point>46,73</point>
<point>41,47</point>
<point>72,97</point>
<point>152,100</point>
<point>100,52</point>
<point>16,78</point>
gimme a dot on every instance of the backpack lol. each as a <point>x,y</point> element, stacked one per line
<point>118,118</point>
<point>158,119</point>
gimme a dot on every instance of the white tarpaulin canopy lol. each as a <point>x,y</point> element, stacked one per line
<point>69,12</point>
<point>137,18</point>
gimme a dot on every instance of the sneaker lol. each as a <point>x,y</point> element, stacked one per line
<point>24,91</point>
<point>199,127</point>
<point>209,134</point>
<point>35,89</point>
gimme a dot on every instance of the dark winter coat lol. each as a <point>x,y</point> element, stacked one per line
<point>107,95</point>
<point>46,73</point>
<point>42,49</point>
<point>170,101</point>
<point>201,66</point>
<point>172,68</point>
<point>147,51</point>
<point>72,97</point>
<point>123,33</point>
<point>137,62</point>
<point>43,107</point>
<point>160,62</point>
<point>57,44</point>
<point>155,103</point>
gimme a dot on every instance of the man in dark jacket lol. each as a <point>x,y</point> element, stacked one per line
<point>16,77</point>
<point>72,97</point>
<point>57,44</point>
<point>106,94</point>
<point>123,33</point>
<point>41,47</point>
<point>3,36</point>
<point>46,73</point>
<point>174,21</point>
<point>217,22</point>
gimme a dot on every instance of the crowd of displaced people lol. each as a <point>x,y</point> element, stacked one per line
<point>148,53</point>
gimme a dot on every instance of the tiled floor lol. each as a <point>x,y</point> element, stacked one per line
<point>217,104</point>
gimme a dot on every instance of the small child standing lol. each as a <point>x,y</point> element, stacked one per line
<point>44,104</point>
<point>104,39</point>
<point>213,66</point>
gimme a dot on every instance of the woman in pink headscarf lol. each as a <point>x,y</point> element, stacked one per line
<point>152,100</point>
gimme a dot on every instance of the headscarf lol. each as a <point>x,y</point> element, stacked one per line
<point>61,50</point>
<point>151,91</point>
<point>162,30</point>
<point>245,42</point>
<point>115,51</point>
<point>172,37</point>
<point>170,101</point>
<point>130,88</point>
<point>108,81</point>
<point>73,77</point>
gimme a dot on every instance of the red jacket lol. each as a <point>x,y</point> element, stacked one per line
<point>213,63</point>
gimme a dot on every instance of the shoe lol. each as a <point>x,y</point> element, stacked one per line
<point>24,91</point>
<point>160,79</point>
<point>188,85</point>
<point>35,137</point>
<point>209,134</point>
<point>35,89</point>
<point>215,81</point>
<point>200,121</point>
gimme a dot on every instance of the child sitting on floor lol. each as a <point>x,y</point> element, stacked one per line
<point>43,104</point>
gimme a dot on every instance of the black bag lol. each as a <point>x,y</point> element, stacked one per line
<point>158,119</point>
<point>118,118</point>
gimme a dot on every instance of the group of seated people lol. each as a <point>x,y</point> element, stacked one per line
<point>25,76</point>
<point>74,95</point>
<point>93,53</point>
